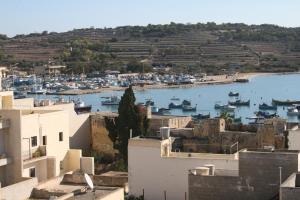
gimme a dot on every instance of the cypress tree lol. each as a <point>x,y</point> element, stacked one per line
<point>130,118</point>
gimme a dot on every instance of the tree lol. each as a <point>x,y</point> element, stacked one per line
<point>130,118</point>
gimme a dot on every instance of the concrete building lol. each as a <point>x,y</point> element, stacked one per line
<point>35,143</point>
<point>259,176</point>
<point>156,171</point>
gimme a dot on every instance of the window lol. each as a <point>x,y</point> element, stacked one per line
<point>44,140</point>
<point>32,172</point>
<point>61,136</point>
<point>34,141</point>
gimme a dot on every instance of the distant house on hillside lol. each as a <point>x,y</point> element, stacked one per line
<point>48,69</point>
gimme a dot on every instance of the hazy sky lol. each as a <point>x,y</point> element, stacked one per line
<point>25,16</point>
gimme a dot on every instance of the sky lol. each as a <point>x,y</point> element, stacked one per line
<point>31,16</point>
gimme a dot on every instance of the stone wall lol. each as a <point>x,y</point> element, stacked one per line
<point>261,169</point>
<point>210,127</point>
<point>101,143</point>
<point>258,178</point>
<point>218,187</point>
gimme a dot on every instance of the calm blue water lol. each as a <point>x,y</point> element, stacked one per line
<point>260,89</point>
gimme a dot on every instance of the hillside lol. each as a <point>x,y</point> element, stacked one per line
<point>190,47</point>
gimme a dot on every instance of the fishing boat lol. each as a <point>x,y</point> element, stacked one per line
<point>265,106</point>
<point>186,103</point>
<point>285,103</point>
<point>186,108</point>
<point>228,108</point>
<point>256,120</point>
<point>37,90</point>
<point>201,116</point>
<point>80,107</point>
<point>266,114</point>
<point>112,101</point>
<point>175,98</point>
<point>293,111</point>
<point>218,106</point>
<point>233,94</point>
<point>175,106</point>
<point>239,103</point>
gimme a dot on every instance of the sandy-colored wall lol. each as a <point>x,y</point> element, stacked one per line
<point>18,191</point>
<point>74,156</point>
<point>155,174</point>
<point>48,124</point>
<point>13,146</point>
<point>79,125</point>
<point>26,103</point>
<point>40,169</point>
<point>117,194</point>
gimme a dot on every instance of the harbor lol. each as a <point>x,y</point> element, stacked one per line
<point>258,95</point>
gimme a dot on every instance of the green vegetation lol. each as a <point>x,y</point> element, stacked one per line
<point>191,48</point>
<point>130,118</point>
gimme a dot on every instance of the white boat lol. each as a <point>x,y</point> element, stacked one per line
<point>293,111</point>
<point>113,100</point>
<point>37,90</point>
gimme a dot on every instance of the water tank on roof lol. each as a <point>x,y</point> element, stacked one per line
<point>204,171</point>
<point>165,132</point>
<point>211,169</point>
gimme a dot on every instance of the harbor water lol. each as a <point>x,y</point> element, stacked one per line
<point>260,89</point>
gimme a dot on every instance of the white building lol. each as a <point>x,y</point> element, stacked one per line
<point>35,144</point>
<point>156,171</point>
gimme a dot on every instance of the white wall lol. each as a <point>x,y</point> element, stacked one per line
<point>155,174</point>
<point>294,139</point>
<point>47,124</point>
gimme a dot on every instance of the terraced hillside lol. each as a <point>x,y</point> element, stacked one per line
<point>252,48</point>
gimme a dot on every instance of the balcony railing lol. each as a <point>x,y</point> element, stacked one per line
<point>4,123</point>
<point>36,153</point>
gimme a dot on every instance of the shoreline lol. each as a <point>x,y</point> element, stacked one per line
<point>211,80</point>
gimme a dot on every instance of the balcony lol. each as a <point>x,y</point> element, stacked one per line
<point>35,154</point>
<point>4,123</point>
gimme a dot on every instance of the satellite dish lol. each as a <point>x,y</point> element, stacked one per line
<point>89,181</point>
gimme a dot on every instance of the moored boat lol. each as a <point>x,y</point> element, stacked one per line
<point>293,111</point>
<point>239,103</point>
<point>201,116</point>
<point>112,101</point>
<point>265,106</point>
<point>175,106</point>
<point>175,98</point>
<point>80,107</point>
<point>285,103</point>
<point>186,103</point>
<point>186,108</point>
<point>266,114</point>
<point>233,94</point>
